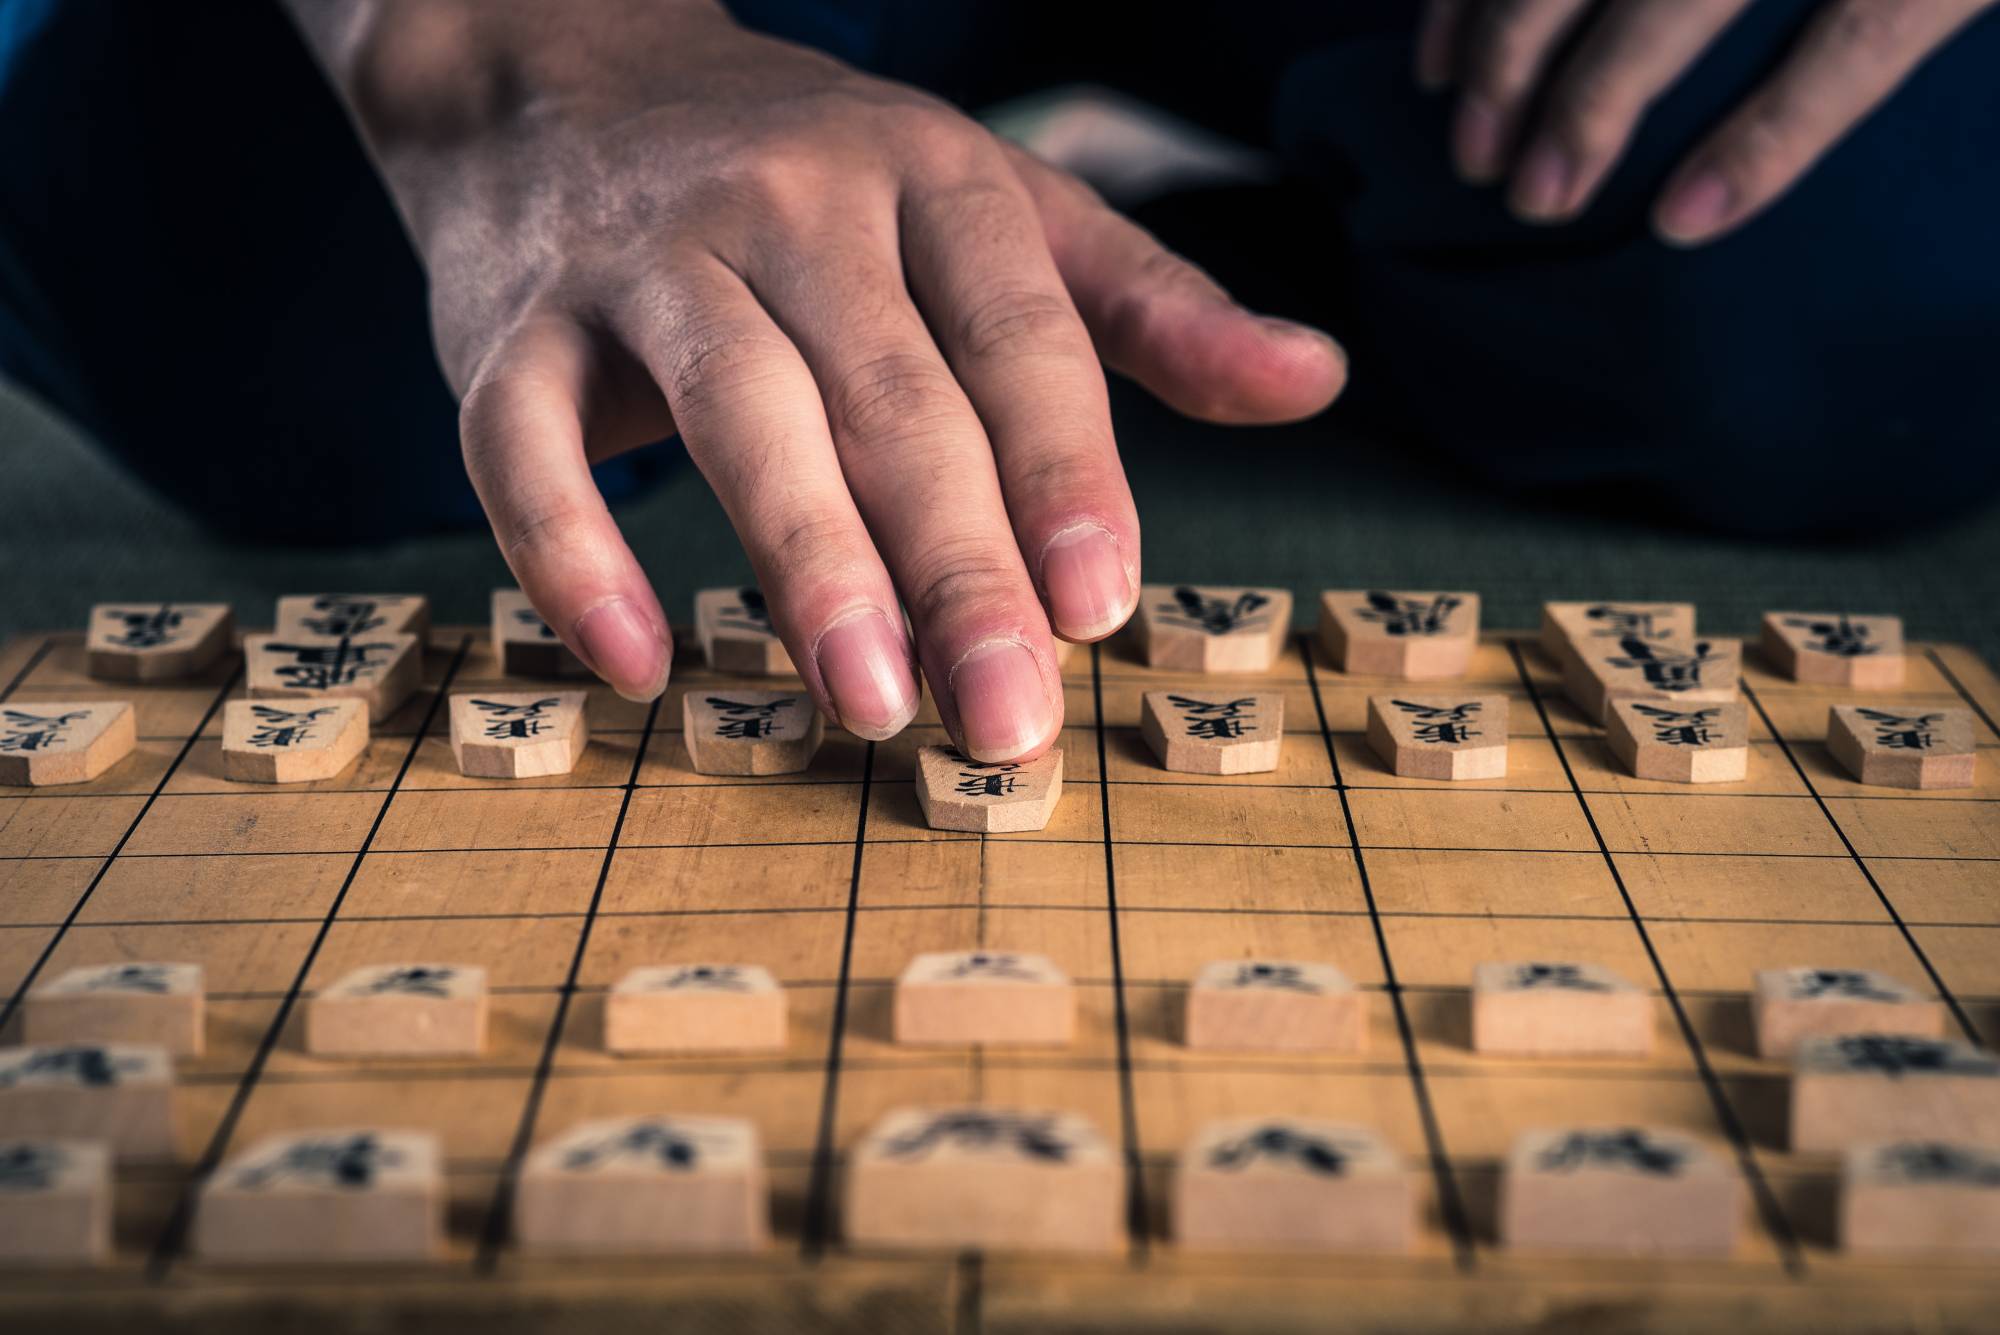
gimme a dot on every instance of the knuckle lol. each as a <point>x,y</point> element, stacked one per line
<point>1014,321</point>
<point>1592,112</point>
<point>713,362</point>
<point>550,528</point>
<point>889,395</point>
<point>1877,28</point>
<point>1502,51</point>
<point>960,575</point>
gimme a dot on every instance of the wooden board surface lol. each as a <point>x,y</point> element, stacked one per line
<point>830,879</point>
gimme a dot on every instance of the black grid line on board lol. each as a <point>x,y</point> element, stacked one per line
<point>1136,1213</point>
<point>1944,670</point>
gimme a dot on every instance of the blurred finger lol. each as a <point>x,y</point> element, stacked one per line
<point>1508,47</point>
<point>1438,33</point>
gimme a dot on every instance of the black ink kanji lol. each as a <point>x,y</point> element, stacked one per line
<point>1217,720</point>
<point>981,964</point>
<point>84,1063</point>
<point>1665,669</point>
<point>1931,1161</point>
<point>344,1161</point>
<point>532,619</point>
<point>510,722</point>
<point>672,1147</point>
<point>1563,976</point>
<point>284,727</point>
<point>1900,732</point>
<point>321,667</point>
<point>1895,1056</point>
<point>1216,616</point>
<point>36,732</point>
<point>419,980</point>
<point>1623,621</point>
<point>1627,1148</point>
<point>132,978</point>
<point>1680,729</point>
<point>1034,1136</point>
<point>706,977</point>
<point>745,721</point>
<point>1283,977</point>
<point>749,612</point>
<point>343,616</point>
<point>1311,1153</point>
<point>1849,983</point>
<point>147,629</point>
<point>1840,637</point>
<point>26,1166</point>
<point>1442,724</point>
<point>1410,616</point>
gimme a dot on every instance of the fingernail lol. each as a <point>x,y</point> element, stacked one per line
<point>1697,207</point>
<point>865,662</point>
<point>1089,592</point>
<point>1476,140</point>
<point>1003,704</point>
<point>1542,187</point>
<point>625,648</point>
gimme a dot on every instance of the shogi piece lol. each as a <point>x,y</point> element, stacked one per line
<point>1569,628</point>
<point>1558,1010</point>
<point>524,645</point>
<point>156,641</point>
<point>42,745</point>
<point>296,742</point>
<point>522,735</point>
<point>637,1185</point>
<point>1930,748</point>
<point>157,1004</point>
<point>960,794</point>
<point>1290,1184</point>
<point>1413,636</point>
<point>119,1094</point>
<point>1618,1190</point>
<point>1201,628</point>
<point>695,1008</point>
<point>1681,743</point>
<point>1217,732</point>
<point>1852,1089</point>
<point>400,1010</point>
<point>380,668</point>
<point>325,1195</point>
<point>1686,673</point>
<point>984,996</point>
<point>734,627</point>
<point>953,1179</point>
<point>55,1202</point>
<point>1791,1005</point>
<point>1440,736</point>
<point>750,732</point>
<point>1275,1006</point>
<point>337,616</point>
<point>1921,1196</point>
<point>1836,649</point>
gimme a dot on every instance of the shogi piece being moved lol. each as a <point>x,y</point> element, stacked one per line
<point>297,742</point>
<point>1569,628</point>
<point>1290,1184</point>
<point>734,627</point>
<point>953,1179</point>
<point>1836,649</point>
<point>1440,736</point>
<point>400,1010</point>
<point>695,1008</point>
<point>1681,743</point>
<point>1688,673</point>
<point>380,668</point>
<point>1008,798</point>
<point>55,1202</point>
<point>340,616</point>
<point>156,641</point>
<point>333,1195</point>
<point>1199,628</point>
<point>119,1094</point>
<point>120,1003</point>
<point>1921,1196</point>
<point>1931,748</point>
<point>524,645</point>
<point>750,732</point>
<point>524,735</point>
<point>1414,636</point>
<point>984,996</point>
<point>1791,1005</point>
<point>637,1185</point>
<point>1214,733</point>
<point>1854,1089</point>
<point>1558,1010</point>
<point>42,745</point>
<point>1275,1006</point>
<point>1618,1190</point>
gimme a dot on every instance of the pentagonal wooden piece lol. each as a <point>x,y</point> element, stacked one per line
<point>382,669</point>
<point>1903,747</point>
<point>157,1004</point>
<point>645,1185</point>
<point>1275,1006</point>
<point>55,1202</point>
<point>341,1194</point>
<point>738,732</point>
<point>294,742</point>
<point>960,794</point>
<point>1432,736</point>
<point>1917,1197</point>
<point>1791,1005</point>
<point>1205,628</point>
<point>1292,1184</point>
<point>1681,743</point>
<point>1412,636</point>
<point>518,734</point>
<point>984,996</point>
<point>1547,1009</point>
<point>1618,1190</point>
<point>336,616</point>
<point>45,744</point>
<point>400,1010</point>
<point>1851,1089</point>
<point>1214,732</point>
<point>524,645</point>
<point>1690,673</point>
<point>734,627</point>
<point>1565,626</point>
<point>695,1008</point>
<point>156,641</point>
<point>120,1094</point>
<point>1836,648</point>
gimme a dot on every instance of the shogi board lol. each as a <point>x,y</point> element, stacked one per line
<point>831,880</point>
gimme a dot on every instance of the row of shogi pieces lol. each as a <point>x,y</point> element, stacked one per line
<point>1917,1117</point>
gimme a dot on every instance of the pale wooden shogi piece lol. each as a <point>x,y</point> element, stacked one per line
<point>338,616</point>
<point>518,735</point>
<point>1836,649</point>
<point>1412,636</point>
<point>1007,798</point>
<point>381,669</point>
<point>1430,736</point>
<point>1791,1005</point>
<point>524,645</point>
<point>1920,1196</point>
<point>342,1194</point>
<point>296,742</point>
<point>1214,732</point>
<point>1920,748</point>
<point>43,745</point>
<point>734,627</point>
<point>1292,1184</point>
<point>1681,743</point>
<point>156,641</point>
<point>119,1094</point>
<point>1203,628</point>
<point>695,1008</point>
<point>996,1179</point>
<point>1685,673</point>
<point>1568,628</point>
<point>984,996</point>
<point>1620,1191</point>
<point>645,1185</point>
<point>1558,1010</point>
<point>1852,1089</point>
<point>159,1004</point>
<point>748,733</point>
<point>400,1010</point>
<point>55,1202</point>
<point>1275,1006</point>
